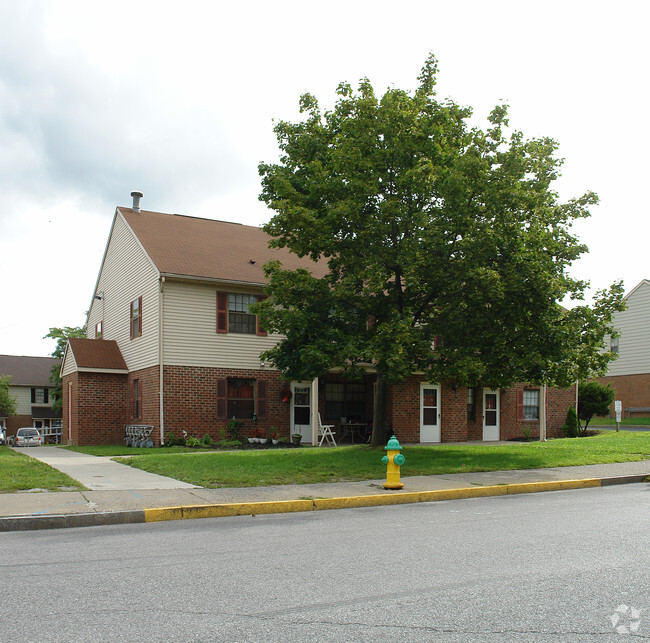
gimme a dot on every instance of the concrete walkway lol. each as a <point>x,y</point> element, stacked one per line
<point>121,494</point>
<point>100,473</point>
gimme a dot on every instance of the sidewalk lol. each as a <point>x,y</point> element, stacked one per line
<point>120,494</point>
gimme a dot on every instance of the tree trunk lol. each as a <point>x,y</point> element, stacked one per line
<point>379,419</point>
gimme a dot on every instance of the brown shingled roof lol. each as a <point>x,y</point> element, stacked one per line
<point>193,247</point>
<point>28,371</point>
<point>97,353</point>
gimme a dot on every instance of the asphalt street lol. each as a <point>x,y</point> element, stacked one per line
<point>537,567</point>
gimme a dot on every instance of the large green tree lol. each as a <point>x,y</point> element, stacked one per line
<point>61,335</point>
<point>7,402</point>
<point>435,233</point>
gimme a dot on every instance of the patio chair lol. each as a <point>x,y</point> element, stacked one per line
<point>325,433</point>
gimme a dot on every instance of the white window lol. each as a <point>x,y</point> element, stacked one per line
<point>531,405</point>
<point>239,319</point>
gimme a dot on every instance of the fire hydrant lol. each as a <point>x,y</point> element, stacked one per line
<point>394,460</point>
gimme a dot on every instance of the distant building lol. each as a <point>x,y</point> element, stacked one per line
<point>31,386</point>
<point>629,373</point>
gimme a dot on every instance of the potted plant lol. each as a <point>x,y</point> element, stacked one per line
<point>295,438</point>
<point>261,438</point>
<point>274,435</point>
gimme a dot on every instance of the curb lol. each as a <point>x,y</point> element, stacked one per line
<point>190,512</point>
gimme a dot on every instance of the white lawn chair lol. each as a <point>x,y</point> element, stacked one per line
<point>325,432</point>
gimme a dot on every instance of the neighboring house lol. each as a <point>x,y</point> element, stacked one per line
<point>31,386</point>
<point>629,373</point>
<point>171,344</point>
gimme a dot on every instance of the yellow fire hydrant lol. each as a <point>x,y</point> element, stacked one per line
<point>394,460</point>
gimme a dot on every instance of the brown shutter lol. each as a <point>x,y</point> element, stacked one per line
<point>131,320</point>
<point>261,400</point>
<point>520,405</point>
<point>139,316</point>
<point>222,312</point>
<point>261,331</point>
<point>222,406</point>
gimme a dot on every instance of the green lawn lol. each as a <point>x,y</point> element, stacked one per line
<point>636,421</point>
<point>299,466</point>
<point>19,472</point>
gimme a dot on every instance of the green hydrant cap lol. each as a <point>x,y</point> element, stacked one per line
<point>393,445</point>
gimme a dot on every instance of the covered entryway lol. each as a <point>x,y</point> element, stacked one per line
<point>491,413</point>
<point>301,410</point>
<point>429,412</point>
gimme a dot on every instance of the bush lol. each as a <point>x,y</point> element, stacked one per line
<point>191,441</point>
<point>207,440</point>
<point>570,426</point>
<point>171,440</point>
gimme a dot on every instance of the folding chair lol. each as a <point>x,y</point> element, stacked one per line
<point>325,432</point>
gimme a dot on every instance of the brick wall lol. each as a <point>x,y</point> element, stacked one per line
<point>190,401</point>
<point>404,413</point>
<point>149,401</point>
<point>632,390</point>
<point>98,408</point>
<point>15,422</point>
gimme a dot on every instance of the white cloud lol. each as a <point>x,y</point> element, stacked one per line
<point>178,100</point>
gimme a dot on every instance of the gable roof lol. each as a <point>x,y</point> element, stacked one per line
<point>96,354</point>
<point>643,282</point>
<point>210,249</point>
<point>28,371</point>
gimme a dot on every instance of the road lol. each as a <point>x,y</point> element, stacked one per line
<point>540,567</point>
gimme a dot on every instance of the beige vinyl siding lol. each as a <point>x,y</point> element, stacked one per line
<point>69,365</point>
<point>126,274</point>
<point>190,336</point>
<point>23,395</point>
<point>634,327</point>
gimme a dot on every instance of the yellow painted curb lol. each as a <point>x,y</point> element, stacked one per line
<point>188,512</point>
<point>288,506</point>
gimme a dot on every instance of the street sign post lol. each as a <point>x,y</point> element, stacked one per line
<point>618,408</point>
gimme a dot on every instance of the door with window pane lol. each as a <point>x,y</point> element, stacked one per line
<point>491,412</point>
<point>301,410</point>
<point>429,413</point>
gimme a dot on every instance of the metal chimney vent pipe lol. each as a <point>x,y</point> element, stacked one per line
<point>137,195</point>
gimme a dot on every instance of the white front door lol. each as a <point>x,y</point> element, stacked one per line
<point>491,413</point>
<point>301,410</point>
<point>429,412</point>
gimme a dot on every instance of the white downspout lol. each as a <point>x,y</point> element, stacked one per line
<point>314,412</point>
<point>161,362</point>
<point>542,415</point>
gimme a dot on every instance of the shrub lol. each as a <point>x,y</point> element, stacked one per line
<point>207,440</point>
<point>570,427</point>
<point>191,441</point>
<point>233,426</point>
<point>171,440</point>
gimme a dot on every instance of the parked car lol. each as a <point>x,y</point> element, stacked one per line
<point>3,435</point>
<point>28,437</point>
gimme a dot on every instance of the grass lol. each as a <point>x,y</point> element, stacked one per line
<point>635,421</point>
<point>302,466</point>
<point>19,472</point>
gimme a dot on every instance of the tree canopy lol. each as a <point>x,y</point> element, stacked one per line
<point>61,335</point>
<point>435,233</point>
<point>7,402</point>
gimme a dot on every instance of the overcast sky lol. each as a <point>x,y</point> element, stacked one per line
<point>177,99</point>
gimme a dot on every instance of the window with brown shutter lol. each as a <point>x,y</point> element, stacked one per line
<point>135,316</point>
